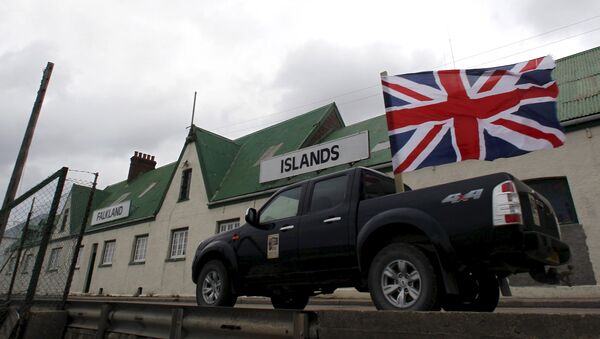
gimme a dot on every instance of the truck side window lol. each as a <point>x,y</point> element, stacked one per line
<point>285,205</point>
<point>328,193</point>
<point>374,186</point>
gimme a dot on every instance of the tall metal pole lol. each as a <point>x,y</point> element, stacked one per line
<point>193,109</point>
<point>13,184</point>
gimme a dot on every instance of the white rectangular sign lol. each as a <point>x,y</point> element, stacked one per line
<point>337,152</point>
<point>111,213</point>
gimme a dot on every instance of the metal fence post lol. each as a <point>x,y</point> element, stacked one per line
<point>37,268</point>
<point>86,215</point>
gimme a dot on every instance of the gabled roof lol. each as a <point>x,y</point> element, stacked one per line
<point>578,78</point>
<point>241,175</point>
<point>146,193</point>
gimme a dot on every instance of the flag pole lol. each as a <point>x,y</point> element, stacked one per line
<point>399,182</point>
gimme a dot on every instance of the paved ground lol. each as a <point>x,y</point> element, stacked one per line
<point>507,305</point>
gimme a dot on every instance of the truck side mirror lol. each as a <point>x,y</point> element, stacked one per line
<point>252,217</point>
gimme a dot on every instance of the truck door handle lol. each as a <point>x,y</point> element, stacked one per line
<point>333,219</point>
<point>286,228</point>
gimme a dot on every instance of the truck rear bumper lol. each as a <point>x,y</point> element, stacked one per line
<point>545,249</point>
<point>517,250</point>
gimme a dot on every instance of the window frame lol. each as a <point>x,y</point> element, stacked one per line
<point>225,222</point>
<point>79,256</point>
<point>103,263</point>
<point>53,259</point>
<point>63,224</point>
<point>178,257</point>
<point>185,185</point>
<point>133,260</point>
<point>25,269</point>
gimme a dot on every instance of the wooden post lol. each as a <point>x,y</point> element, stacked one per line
<point>397,177</point>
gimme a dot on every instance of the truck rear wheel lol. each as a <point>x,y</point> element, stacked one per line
<point>214,286</point>
<point>480,293</point>
<point>401,277</point>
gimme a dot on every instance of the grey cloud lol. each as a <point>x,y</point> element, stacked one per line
<point>320,70</point>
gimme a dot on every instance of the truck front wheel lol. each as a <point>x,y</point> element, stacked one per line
<point>401,277</point>
<point>214,286</point>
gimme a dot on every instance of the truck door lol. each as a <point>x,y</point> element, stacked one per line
<point>324,228</point>
<point>272,248</point>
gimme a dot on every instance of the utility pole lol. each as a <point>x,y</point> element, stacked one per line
<point>15,179</point>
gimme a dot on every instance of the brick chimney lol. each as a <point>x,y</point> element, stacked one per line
<point>140,164</point>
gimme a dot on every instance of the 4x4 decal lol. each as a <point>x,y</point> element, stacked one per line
<point>459,197</point>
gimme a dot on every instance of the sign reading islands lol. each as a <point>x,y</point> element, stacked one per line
<point>341,151</point>
<point>111,213</point>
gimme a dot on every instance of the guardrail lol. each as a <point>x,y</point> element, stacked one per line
<point>132,320</point>
<point>176,322</point>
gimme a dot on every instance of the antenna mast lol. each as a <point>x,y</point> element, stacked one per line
<point>194,108</point>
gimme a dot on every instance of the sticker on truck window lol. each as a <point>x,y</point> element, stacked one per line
<point>459,197</point>
<point>273,246</point>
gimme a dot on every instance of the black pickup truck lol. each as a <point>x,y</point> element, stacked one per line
<point>449,246</point>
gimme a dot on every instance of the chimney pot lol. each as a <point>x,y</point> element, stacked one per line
<point>140,164</point>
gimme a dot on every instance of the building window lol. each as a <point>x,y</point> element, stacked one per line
<point>186,179</point>
<point>27,260</point>
<point>139,249</point>
<point>11,266</point>
<point>178,243</point>
<point>63,225</point>
<point>54,257</point>
<point>557,191</point>
<point>79,255</point>
<point>227,225</point>
<point>108,252</point>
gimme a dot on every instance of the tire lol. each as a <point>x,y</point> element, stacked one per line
<point>484,294</point>
<point>401,277</point>
<point>290,302</point>
<point>214,286</point>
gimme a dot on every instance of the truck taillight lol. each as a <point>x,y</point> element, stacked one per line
<point>506,204</point>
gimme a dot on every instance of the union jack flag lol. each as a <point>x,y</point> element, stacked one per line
<point>448,116</point>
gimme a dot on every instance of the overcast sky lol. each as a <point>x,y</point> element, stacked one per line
<point>125,71</point>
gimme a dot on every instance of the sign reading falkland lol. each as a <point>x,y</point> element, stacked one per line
<point>337,152</point>
<point>440,117</point>
<point>111,213</point>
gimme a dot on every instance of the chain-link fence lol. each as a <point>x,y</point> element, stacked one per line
<point>40,247</point>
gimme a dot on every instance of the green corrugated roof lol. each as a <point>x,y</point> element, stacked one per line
<point>578,78</point>
<point>142,207</point>
<point>216,154</point>
<point>242,176</point>
<point>79,199</point>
